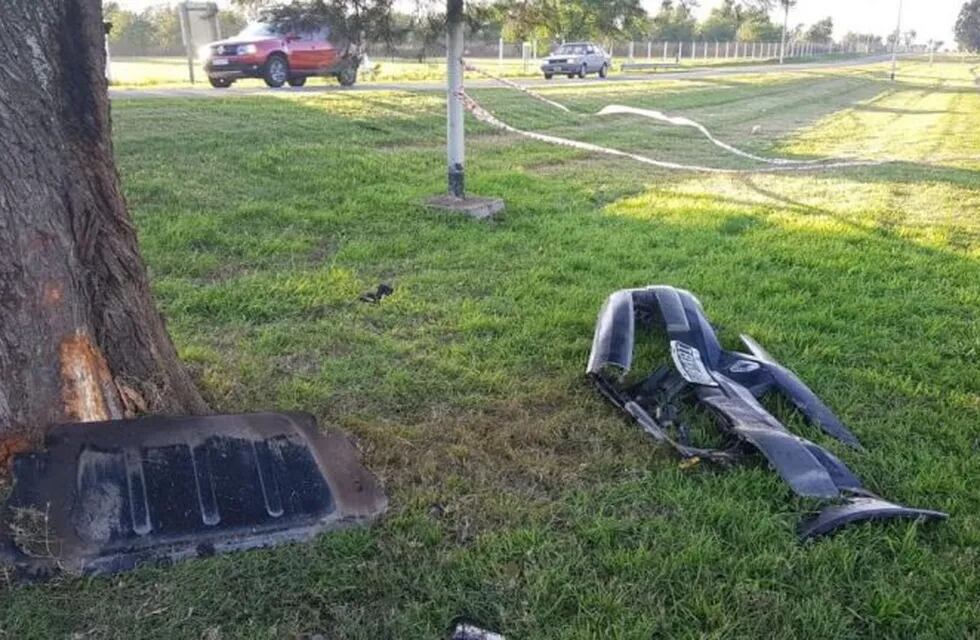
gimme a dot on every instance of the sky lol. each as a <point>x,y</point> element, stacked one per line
<point>932,19</point>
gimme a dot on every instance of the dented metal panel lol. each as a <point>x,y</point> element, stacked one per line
<point>106,496</point>
<point>729,383</point>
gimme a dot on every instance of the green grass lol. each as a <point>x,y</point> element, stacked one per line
<point>518,496</point>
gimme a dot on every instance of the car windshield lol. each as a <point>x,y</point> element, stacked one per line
<point>576,49</point>
<point>258,30</point>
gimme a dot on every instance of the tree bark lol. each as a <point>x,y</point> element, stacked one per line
<point>80,337</point>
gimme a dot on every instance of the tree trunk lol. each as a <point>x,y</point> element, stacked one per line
<point>80,338</point>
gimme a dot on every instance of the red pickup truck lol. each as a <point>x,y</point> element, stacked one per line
<point>278,57</point>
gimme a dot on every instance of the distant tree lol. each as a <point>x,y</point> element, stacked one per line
<point>252,8</point>
<point>968,26</point>
<point>861,40</point>
<point>909,37</point>
<point>674,22</point>
<point>156,29</point>
<point>723,22</point>
<point>351,22</point>
<point>572,19</point>
<point>821,31</point>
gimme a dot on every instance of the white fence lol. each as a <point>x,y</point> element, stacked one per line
<point>694,50</point>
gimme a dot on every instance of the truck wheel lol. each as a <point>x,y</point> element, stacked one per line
<point>347,77</point>
<point>583,70</point>
<point>276,71</point>
<point>297,81</point>
<point>219,83</point>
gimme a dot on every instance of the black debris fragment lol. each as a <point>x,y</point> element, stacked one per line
<point>729,384</point>
<point>383,291</point>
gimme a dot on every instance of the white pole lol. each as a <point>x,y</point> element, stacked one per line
<point>630,56</point>
<point>665,51</point>
<point>898,34</point>
<point>782,48</point>
<point>716,49</point>
<point>455,147</point>
<point>726,49</point>
<point>500,54</point>
<point>649,50</point>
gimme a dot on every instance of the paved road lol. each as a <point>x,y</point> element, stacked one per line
<point>205,91</point>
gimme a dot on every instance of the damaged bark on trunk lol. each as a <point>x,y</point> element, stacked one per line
<point>80,338</point>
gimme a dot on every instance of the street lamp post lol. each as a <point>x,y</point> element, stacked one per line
<point>782,47</point>
<point>456,199</point>
<point>898,34</point>
<point>455,147</point>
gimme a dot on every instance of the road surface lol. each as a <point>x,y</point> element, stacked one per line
<point>205,91</point>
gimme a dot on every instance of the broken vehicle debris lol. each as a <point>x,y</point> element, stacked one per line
<point>107,496</point>
<point>466,630</point>
<point>729,384</point>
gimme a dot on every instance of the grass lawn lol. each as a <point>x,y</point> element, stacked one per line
<point>518,496</point>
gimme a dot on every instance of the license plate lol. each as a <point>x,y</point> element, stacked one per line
<point>218,62</point>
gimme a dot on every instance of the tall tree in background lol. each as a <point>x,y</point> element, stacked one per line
<point>80,338</point>
<point>821,31</point>
<point>571,19</point>
<point>968,26</point>
<point>675,21</point>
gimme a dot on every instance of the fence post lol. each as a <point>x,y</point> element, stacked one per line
<point>726,49</point>
<point>524,51</point>
<point>680,51</point>
<point>630,50</point>
<point>649,50</point>
<point>500,54</point>
<point>665,50</point>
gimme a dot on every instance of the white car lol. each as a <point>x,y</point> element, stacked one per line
<point>577,59</point>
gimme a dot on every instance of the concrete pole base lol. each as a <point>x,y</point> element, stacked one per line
<point>472,206</point>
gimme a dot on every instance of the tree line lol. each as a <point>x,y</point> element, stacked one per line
<point>156,30</point>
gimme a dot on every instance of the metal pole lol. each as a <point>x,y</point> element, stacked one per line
<point>455,146</point>
<point>782,47</point>
<point>500,54</point>
<point>898,34</point>
<point>665,50</point>
<point>649,50</point>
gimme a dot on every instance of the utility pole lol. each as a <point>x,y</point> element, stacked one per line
<point>898,34</point>
<point>456,199</point>
<point>456,146</point>
<point>782,48</point>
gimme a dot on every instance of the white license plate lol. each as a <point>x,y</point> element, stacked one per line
<point>218,62</point>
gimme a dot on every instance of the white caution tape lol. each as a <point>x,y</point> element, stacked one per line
<point>680,121</point>
<point>483,115</point>
<point>677,121</point>
<point>514,85</point>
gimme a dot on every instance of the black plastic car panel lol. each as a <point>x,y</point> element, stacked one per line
<point>729,384</point>
<point>106,496</point>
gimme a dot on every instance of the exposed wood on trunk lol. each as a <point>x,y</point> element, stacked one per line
<point>80,338</point>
